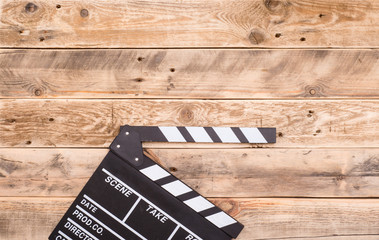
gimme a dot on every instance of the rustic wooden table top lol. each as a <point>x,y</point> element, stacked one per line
<point>72,72</point>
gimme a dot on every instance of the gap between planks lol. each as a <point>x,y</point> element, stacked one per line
<point>352,48</point>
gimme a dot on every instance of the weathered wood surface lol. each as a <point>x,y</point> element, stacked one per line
<point>327,149</point>
<point>212,172</point>
<point>270,218</point>
<point>175,73</point>
<point>188,23</point>
<point>94,123</point>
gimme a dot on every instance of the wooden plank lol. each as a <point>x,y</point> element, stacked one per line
<point>212,172</point>
<point>303,218</point>
<point>268,218</point>
<point>188,23</point>
<point>95,123</point>
<point>211,74</point>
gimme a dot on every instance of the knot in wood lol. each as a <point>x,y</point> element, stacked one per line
<point>314,91</point>
<point>186,115</point>
<point>257,36</point>
<point>231,207</point>
<point>271,4</point>
<point>277,7</point>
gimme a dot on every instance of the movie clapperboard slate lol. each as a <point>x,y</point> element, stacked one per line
<point>132,197</point>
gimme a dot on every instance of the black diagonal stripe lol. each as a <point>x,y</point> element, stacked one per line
<point>187,196</point>
<point>166,180</point>
<point>210,211</point>
<point>269,134</point>
<point>212,134</point>
<point>237,131</point>
<point>187,136</point>
<point>233,230</point>
<point>150,133</point>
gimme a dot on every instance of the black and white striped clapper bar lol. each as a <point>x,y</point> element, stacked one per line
<point>132,197</point>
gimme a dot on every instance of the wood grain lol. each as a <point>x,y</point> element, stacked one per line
<point>212,172</point>
<point>308,68</point>
<point>268,218</point>
<point>204,74</point>
<point>188,23</point>
<point>95,123</point>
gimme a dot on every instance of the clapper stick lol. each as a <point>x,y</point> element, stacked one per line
<point>132,197</point>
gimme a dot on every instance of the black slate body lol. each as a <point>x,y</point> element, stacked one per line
<point>100,209</point>
<point>132,197</point>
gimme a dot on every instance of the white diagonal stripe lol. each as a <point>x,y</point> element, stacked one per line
<point>172,134</point>
<point>198,203</point>
<point>253,135</point>
<point>176,188</point>
<point>199,134</point>
<point>155,172</point>
<point>221,219</point>
<point>226,135</point>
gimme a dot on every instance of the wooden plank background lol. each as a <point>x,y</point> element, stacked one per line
<point>72,72</point>
<point>189,23</point>
<point>190,73</point>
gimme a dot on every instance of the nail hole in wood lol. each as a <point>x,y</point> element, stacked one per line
<point>58,6</point>
<point>280,134</point>
<point>278,35</point>
<point>51,119</point>
<point>172,69</point>
<point>173,169</point>
<point>28,142</point>
<point>321,15</point>
<point>31,7</point>
<point>41,39</point>
<point>139,59</point>
<point>84,13</point>
<point>37,92</point>
<point>303,39</point>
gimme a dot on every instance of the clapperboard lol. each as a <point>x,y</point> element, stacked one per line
<point>132,197</point>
